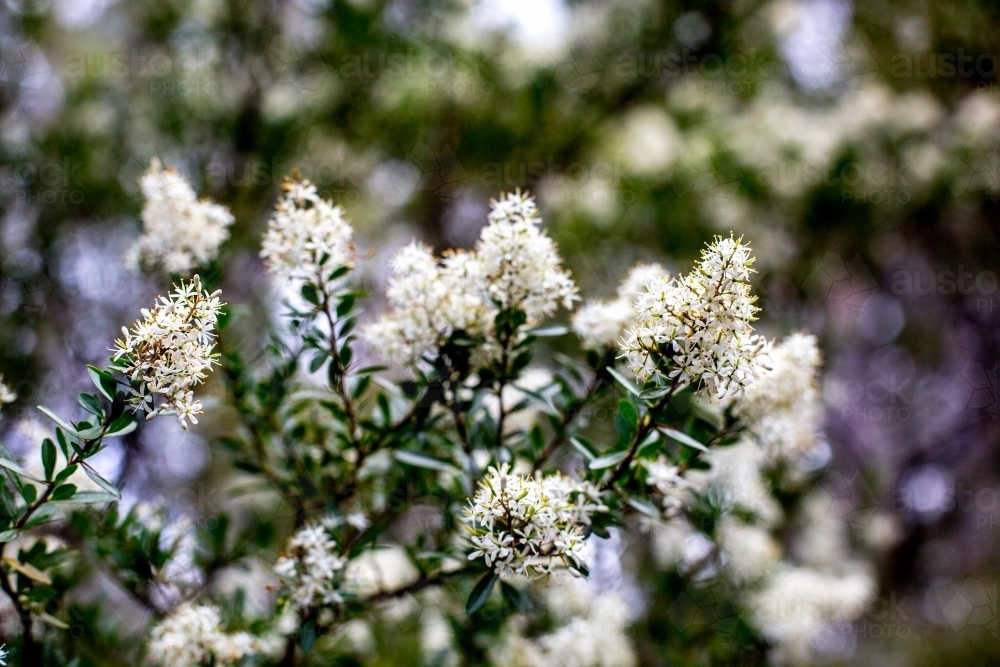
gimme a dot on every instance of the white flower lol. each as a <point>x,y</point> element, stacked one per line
<point>307,236</point>
<point>7,395</point>
<point>431,300</point>
<point>590,631</point>
<point>180,233</point>
<point>312,568</point>
<point>797,604</point>
<point>782,410</point>
<point>192,637</point>
<point>523,268</point>
<point>514,267</point>
<point>668,484</point>
<point>3,655</point>
<point>696,329</point>
<point>600,324</point>
<point>379,570</point>
<point>524,525</point>
<point>169,351</point>
<point>748,552</point>
<point>735,481</point>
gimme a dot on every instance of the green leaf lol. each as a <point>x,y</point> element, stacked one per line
<point>8,536</point>
<point>91,404</point>
<point>629,386</point>
<point>585,450</point>
<point>481,592</point>
<point>48,457</point>
<point>548,332</point>
<point>345,305</point>
<point>424,461</point>
<point>42,515</point>
<point>101,482</point>
<point>628,413</point>
<point>30,493</point>
<point>104,381</point>
<point>340,272</point>
<point>91,432</point>
<point>63,445</point>
<point>653,394</point>
<point>65,473</point>
<point>643,507</point>
<point>88,497</point>
<point>608,460</point>
<point>63,492</point>
<point>317,362</point>
<point>58,420</point>
<point>649,445</point>
<point>124,425</point>
<point>13,467</point>
<point>682,438</point>
<point>310,293</point>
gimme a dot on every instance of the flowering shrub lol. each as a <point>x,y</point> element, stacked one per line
<point>470,479</point>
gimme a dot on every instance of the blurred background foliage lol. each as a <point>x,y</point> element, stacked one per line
<point>854,145</point>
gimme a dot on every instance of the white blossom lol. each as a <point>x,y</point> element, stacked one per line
<point>192,637</point>
<point>311,568</point>
<point>783,409</point>
<point>735,481</point>
<point>431,300</point>
<point>668,484</point>
<point>525,525</point>
<point>522,266</point>
<point>600,324</point>
<point>180,233</point>
<point>379,570</point>
<point>748,552</point>
<point>169,351</point>
<point>514,267</point>
<point>306,236</point>
<point>797,604</point>
<point>696,329</point>
<point>3,655</point>
<point>7,395</point>
<point>590,631</point>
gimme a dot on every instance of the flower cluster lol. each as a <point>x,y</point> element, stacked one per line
<point>431,301</point>
<point>180,233</point>
<point>590,630</point>
<point>521,264</point>
<point>169,351</point>
<point>306,236</point>
<point>782,410</point>
<point>311,568</point>
<point>600,324</point>
<point>668,483</point>
<point>696,329</point>
<point>192,637</point>
<point>524,525</point>
<point>515,267</point>
<point>798,604</point>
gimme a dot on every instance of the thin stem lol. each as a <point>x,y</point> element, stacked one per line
<point>572,412</point>
<point>648,424</point>
<point>340,386</point>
